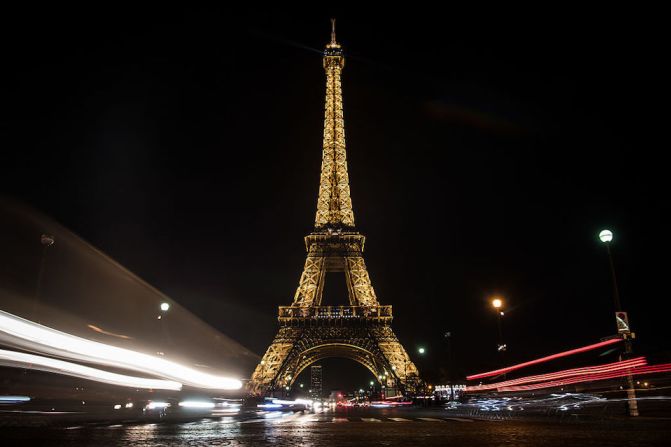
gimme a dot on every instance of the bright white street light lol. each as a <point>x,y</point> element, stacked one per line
<point>606,236</point>
<point>165,307</point>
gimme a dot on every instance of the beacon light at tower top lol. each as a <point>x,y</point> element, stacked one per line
<point>27,334</point>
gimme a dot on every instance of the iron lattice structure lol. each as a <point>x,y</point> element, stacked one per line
<point>360,331</point>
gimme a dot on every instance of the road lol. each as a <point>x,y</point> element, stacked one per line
<point>355,427</point>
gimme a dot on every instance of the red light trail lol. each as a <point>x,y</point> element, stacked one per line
<point>580,372</point>
<point>544,359</point>
<point>635,367</point>
<point>652,369</point>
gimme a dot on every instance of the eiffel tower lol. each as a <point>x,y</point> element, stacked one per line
<point>308,330</point>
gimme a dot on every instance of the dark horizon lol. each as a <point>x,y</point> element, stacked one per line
<point>484,158</point>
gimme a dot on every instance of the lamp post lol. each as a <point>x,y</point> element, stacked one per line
<point>167,340</point>
<point>47,241</point>
<point>405,374</point>
<point>497,303</point>
<point>263,375</point>
<point>287,383</point>
<point>606,236</point>
<point>448,338</point>
<point>422,351</point>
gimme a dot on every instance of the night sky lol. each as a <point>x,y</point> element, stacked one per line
<point>485,154</point>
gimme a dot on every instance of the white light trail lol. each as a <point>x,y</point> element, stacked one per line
<point>155,405</point>
<point>31,361</point>
<point>13,399</point>
<point>28,334</point>
<point>196,404</point>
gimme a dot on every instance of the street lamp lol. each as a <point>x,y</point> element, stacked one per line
<point>47,241</point>
<point>421,350</point>
<point>263,376</point>
<point>497,303</point>
<point>448,337</point>
<point>165,307</point>
<point>606,236</point>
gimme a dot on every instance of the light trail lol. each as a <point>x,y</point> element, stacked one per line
<point>604,374</point>
<point>36,362</point>
<point>632,363</point>
<point>544,359</point>
<point>104,332</point>
<point>30,335</point>
<point>196,404</point>
<point>652,369</point>
<point>13,399</point>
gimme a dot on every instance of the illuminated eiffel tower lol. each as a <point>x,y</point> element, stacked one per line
<point>360,331</point>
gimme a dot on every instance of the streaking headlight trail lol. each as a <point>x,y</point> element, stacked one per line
<point>31,361</point>
<point>196,404</point>
<point>27,334</point>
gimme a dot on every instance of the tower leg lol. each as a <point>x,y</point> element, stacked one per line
<point>265,375</point>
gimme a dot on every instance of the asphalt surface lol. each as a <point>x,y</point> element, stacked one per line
<point>354,427</point>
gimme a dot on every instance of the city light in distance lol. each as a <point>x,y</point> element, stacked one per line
<point>165,307</point>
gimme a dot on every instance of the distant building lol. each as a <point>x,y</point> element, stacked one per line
<point>316,388</point>
<point>449,392</point>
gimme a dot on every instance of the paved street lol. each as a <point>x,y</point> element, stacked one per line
<point>386,427</point>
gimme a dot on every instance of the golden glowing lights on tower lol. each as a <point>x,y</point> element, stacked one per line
<point>334,205</point>
<point>310,331</point>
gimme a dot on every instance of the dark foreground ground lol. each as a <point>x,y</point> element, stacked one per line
<point>375,427</point>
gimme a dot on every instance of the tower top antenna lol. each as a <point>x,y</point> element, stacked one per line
<point>333,38</point>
